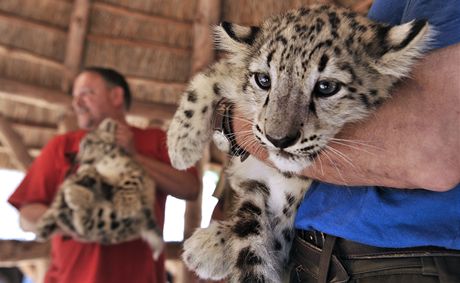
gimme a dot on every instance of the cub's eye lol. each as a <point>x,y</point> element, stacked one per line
<point>263,81</point>
<point>326,88</point>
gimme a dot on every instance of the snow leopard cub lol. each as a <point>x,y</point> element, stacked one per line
<point>298,78</point>
<point>109,199</point>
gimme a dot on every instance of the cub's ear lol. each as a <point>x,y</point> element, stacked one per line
<point>234,38</point>
<point>396,48</point>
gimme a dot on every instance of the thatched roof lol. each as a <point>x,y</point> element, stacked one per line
<point>157,44</point>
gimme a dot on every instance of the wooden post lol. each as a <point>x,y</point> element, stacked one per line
<point>208,14</point>
<point>75,41</point>
<point>17,150</point>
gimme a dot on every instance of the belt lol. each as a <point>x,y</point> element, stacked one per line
<point>330,258</point>
<point>352,250</point>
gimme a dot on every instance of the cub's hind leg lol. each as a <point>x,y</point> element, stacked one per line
<point>235,248</point>
<point>150,232</point>
<point>207,251</point>
<point>127,195</point>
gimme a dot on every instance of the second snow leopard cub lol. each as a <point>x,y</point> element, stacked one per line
<point>298,79</point>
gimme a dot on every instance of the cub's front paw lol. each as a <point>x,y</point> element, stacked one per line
<point>206,252</point>
<point>185,147</point>
<point>78,197</point>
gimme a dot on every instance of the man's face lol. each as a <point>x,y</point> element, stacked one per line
<point>92,100</point>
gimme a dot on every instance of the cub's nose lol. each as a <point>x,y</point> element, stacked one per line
<point>284,142</point>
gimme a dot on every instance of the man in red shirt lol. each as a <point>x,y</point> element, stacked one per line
<point>101,93</point>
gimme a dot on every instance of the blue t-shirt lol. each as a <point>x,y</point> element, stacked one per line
<point>386,217</point>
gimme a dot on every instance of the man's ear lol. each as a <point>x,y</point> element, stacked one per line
<point>117,97</point>
<point>234,38</point>
<point>395,48</point>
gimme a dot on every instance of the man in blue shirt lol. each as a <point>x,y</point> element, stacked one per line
<point>392,235</point>
<point>389,229</point>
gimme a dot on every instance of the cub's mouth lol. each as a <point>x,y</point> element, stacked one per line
<point>291,162</point>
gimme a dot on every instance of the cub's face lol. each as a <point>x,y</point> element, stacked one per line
<point>310,71</point>
<point>98,143</point>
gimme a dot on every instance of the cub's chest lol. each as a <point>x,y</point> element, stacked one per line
<point>113,167</point>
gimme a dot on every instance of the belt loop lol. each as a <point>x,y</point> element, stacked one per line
<point>325,258</point>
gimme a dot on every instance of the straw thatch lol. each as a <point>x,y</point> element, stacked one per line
<point>52,12</point>
<point>139,59</point>
<point>117,22</point>
<point>38,39</point>
<point>25,67</point>
<point>183,10</point>
<point>168,93</point>
<point>253,12</point>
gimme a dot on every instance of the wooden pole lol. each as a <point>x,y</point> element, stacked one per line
<point>208,13</point>
<point>75,41</point>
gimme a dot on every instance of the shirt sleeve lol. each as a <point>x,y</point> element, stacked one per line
<point>387,11</point>
<point>42,179</point>
<point>443,16</point>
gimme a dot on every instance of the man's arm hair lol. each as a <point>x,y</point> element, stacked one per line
<point>412,141</point>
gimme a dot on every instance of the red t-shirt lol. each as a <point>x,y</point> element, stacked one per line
<point>76,262</point>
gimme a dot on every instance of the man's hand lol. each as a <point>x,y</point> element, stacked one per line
<point>124,137</point>
<point>30,214</point>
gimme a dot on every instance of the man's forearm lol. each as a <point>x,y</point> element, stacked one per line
<point>30,214</point>
<point>180,184</point>
<point>412,141</point>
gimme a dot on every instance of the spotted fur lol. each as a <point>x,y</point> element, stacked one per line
<point>108,199</point>
<point>298,78</point>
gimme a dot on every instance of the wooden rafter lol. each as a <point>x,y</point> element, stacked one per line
<point>75,41</point>
<point>29,57</point>
<point>58,101</point>
<point>12,251</point>
<point>33,95</point>
<point>34,152</point>
<point>17,149</point>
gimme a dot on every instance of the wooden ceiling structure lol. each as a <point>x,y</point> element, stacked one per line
<point>156,44</point>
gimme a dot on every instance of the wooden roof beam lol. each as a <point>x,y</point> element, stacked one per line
<point>34,152</point>
<point>58,101</point>
<point>33,95</point>
<point>13,141</point>
<point>75,41</point>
